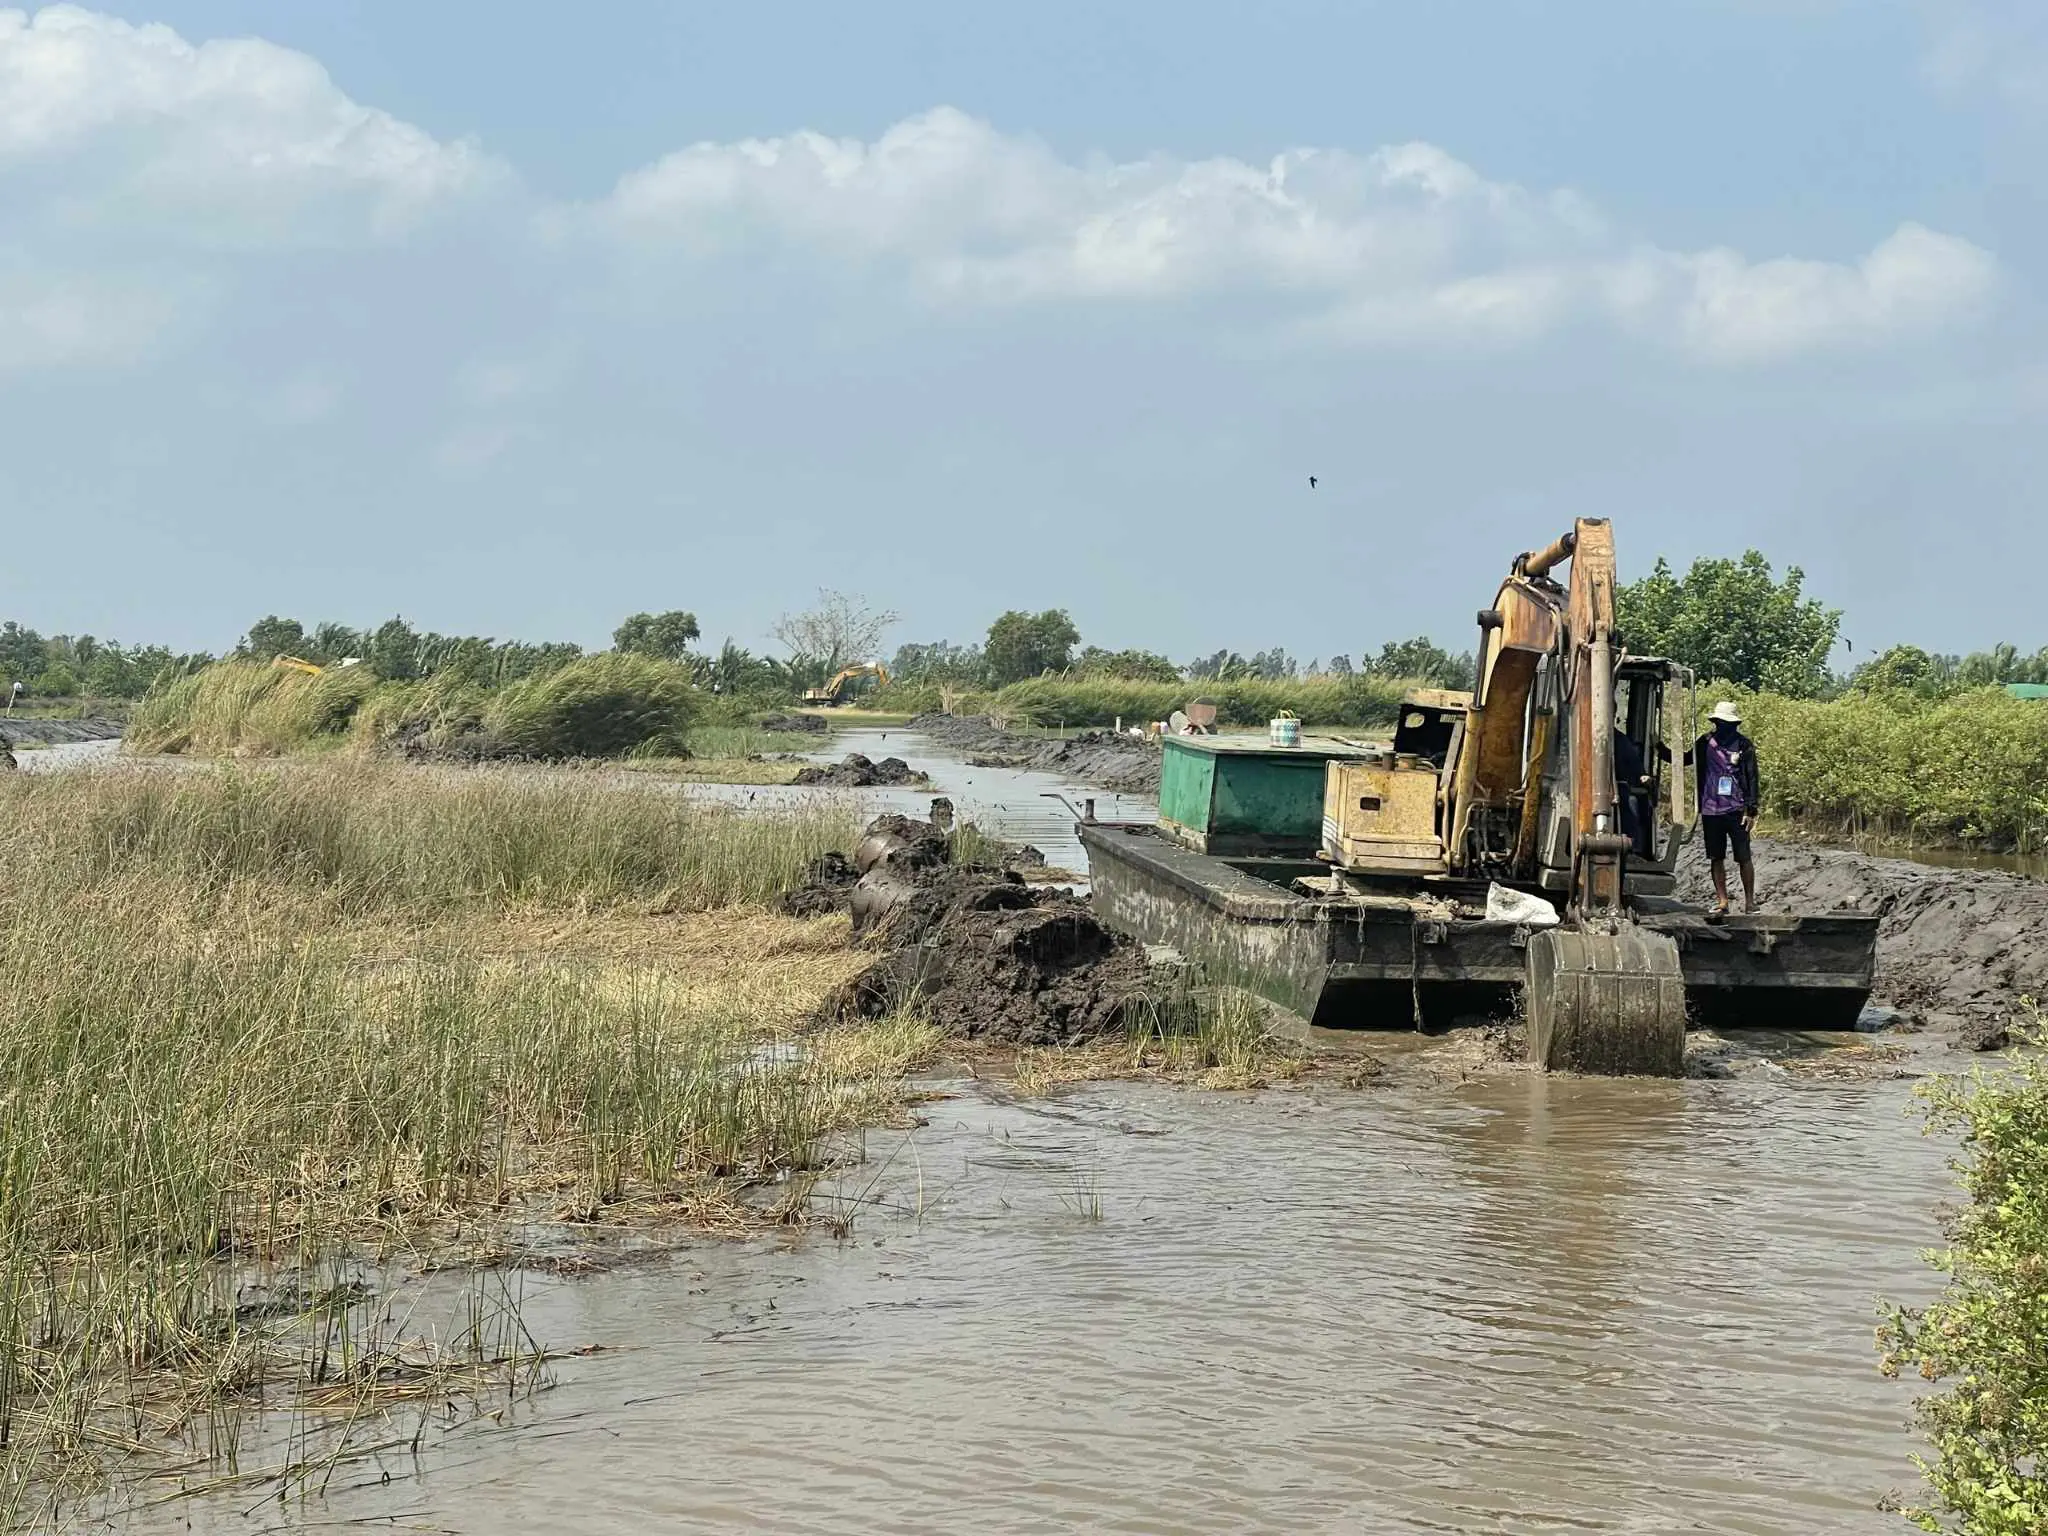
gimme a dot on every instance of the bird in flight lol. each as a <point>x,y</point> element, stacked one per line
<point>1311,482</point>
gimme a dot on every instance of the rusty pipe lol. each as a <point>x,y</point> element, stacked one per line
<point>1541,562</point>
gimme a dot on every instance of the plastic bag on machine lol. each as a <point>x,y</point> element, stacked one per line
<point>1508,906</point>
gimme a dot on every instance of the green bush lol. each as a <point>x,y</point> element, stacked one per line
<point>1972,767</point>
<point>1987,1334</point>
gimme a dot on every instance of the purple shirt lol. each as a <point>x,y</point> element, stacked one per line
<point>1721,779</point>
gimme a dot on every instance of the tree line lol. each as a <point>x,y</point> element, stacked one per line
<point>1022,645</point>
<point>1731,620</point>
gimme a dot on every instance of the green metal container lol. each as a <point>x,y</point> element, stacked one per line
<point>2027,690</point>
<point>1231,795</point>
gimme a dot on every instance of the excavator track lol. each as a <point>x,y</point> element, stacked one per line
<point>1610,1002</point>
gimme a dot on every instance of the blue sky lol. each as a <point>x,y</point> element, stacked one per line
<point>516,319</point>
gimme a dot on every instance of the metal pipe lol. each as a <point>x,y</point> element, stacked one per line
<point>1603,727</point>
<point>1543,561</point>
<point>1532,790</point>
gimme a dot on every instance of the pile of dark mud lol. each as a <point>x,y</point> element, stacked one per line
<point>855,771</point>
<point>813,725</point>
<point>1956,949</point>
<point>972,947</point>
<point>1123,764</point>
<point>17,732</point>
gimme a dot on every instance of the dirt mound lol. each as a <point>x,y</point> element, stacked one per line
<point>855,771</point>
<point>973,948</point>
<point>827,885</point>
<point>814,725</point>
<point>1124,764</point>
<point>1955,948</point>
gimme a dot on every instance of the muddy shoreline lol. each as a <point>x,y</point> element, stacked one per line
<point>1956,949</point>
<point>1123,764</point>
<point>25,732</point>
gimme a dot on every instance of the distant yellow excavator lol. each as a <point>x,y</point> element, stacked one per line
<point>834,692</point>
<point>298,664</point>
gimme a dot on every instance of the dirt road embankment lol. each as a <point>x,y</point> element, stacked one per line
<point>1956,949</point>
<point>20,732</point>
<point>1122,764</point>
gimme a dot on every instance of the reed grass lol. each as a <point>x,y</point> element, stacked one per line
<point>375,836</point>
<point>269,1022</point>
<point>605,705</point>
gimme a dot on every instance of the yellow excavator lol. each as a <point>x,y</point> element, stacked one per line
<point>835,691</point>
<point>1514,784</point>
<point>1490,848</point>
<point>297,664</point>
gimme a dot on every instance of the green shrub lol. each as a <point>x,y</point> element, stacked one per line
<point>1987,1334</point>
<point>1971,767</point>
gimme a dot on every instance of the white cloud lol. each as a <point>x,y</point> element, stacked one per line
<point>228,142</point>
<point>59,321</point>
<point>137,169</point>
<point>1406,243</point>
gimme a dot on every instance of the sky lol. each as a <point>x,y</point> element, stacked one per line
<point>515,319</point>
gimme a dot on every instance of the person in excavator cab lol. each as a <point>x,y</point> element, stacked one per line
<point>1632,784</point>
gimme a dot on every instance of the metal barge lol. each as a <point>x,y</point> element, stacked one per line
<point>1395,960</point>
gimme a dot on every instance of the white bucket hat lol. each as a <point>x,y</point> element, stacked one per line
<point>1726,710</point>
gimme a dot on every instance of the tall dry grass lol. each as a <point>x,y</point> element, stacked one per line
<point>605,705</point>
<point>372,836</point>
<point>220,1068</point>
<point>243,707</point>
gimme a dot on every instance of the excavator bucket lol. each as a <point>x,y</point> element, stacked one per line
<point>1606,1002</point>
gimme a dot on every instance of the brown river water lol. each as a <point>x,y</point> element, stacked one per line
<point>1511,1304</point>
<point>1495,1303</point>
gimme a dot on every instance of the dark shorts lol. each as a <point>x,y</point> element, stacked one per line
<point>1720,831</point>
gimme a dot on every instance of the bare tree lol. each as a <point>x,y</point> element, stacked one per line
<point>840,630</point>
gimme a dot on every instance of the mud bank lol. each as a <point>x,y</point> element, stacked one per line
<point>809,725</point>
<point>855,771</point>
<point>1956,949</point>
<point>972,947</point>
<point>1120,763</point>
<point>44,733</point>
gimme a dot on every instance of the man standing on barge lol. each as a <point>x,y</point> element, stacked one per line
<point>1731,791</point>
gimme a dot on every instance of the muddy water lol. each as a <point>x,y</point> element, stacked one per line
<point>1517,1305</point>
<point>65,754</point>
<point>1010,803</point>
<point>1505,1304</point>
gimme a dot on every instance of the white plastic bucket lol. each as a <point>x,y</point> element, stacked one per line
<point>1285,732</point>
